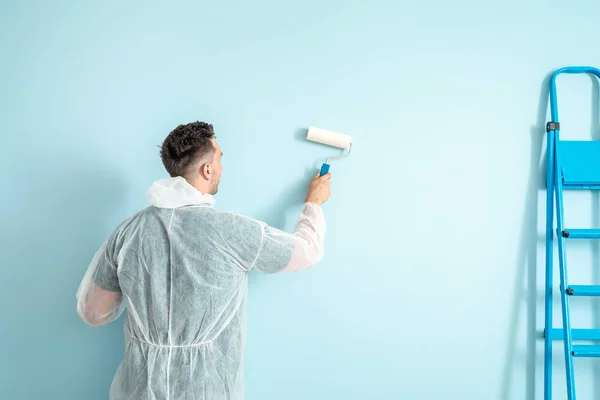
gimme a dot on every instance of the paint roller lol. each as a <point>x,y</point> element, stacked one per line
<point>331,139</point>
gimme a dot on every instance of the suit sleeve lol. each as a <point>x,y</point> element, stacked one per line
<point>99,298</point>
<point>283,252</point>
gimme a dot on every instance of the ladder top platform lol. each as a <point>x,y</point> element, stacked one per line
<point>579,163</point>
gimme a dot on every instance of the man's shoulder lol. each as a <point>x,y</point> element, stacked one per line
<point>131,220</point>
<point>224,221</point>
<point>235,219</point>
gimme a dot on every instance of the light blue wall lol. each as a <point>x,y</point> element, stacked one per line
<point>428,286</point>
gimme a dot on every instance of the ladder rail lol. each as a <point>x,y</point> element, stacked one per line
<point>562,263</point>
<point>549,265</point>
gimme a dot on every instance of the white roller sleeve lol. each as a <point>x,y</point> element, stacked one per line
<point>328,137</point>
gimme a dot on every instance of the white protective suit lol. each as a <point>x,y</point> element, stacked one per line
<point>180,268</point>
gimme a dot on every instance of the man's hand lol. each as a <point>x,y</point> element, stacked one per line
<point>318,189</point>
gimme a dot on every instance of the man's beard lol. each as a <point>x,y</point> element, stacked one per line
<point>214,188</point>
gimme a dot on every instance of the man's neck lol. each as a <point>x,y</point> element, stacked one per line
<point>201,186</point>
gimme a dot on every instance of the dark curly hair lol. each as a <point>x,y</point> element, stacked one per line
<point>186,145</point>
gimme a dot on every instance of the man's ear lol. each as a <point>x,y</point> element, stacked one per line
<point>205,171</point>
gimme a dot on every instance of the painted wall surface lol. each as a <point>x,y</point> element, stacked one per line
<point>431,287</point>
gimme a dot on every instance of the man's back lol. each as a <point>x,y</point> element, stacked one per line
<point>183,275</point>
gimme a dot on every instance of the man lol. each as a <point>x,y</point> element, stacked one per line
<point>180,268</point>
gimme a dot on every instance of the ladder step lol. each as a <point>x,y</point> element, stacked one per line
<point>581,233</point>
<point>583,290</point>
<point>576,334</point>
<point>586,350</point>
<point>578,186</point>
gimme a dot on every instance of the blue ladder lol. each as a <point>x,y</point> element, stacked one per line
<point>570,165</point>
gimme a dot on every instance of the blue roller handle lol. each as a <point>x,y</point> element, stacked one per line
<point>324,169</point>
